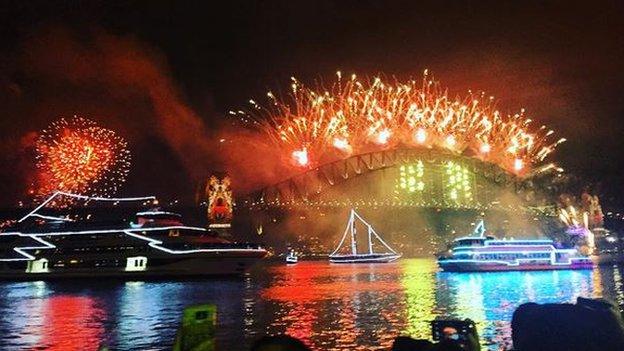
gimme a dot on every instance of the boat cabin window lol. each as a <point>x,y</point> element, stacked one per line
<point>520,242</point>
<point>138,263</point>
<point>470,242</point>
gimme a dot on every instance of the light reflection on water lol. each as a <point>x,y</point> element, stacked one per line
<point>330,307</point>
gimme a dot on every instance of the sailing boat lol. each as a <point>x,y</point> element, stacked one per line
<point>354,256</point>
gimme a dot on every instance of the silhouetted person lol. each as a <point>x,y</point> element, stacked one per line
<point>590,325</point>
<point>405,343</point>
<point>279,343</point>
<point>449,345</point>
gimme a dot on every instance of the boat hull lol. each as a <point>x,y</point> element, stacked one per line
<point>364,258</point>
<point>191,267</point>
<point>449,266</point>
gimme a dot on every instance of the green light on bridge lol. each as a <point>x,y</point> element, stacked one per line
<point>458,187</point>
<point>411,177</point>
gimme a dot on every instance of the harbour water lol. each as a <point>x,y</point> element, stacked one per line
<point>328,306</point>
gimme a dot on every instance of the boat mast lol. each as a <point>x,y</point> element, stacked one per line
<point>353,243</point>
<point>351,230</point>
<point>479,230</point>
<point>348,228</point>
<point>372,232</point>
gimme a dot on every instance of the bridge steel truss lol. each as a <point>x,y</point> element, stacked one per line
<point>309,185</point>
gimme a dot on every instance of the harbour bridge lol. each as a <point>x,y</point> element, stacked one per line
<point>405,177</point>
<point>420,198</point>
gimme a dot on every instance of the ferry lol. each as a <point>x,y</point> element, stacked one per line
<point>480,253</point>
<point>84,241</point>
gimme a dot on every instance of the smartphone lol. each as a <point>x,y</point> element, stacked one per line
<point>197,331</point>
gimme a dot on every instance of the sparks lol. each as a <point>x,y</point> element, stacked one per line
<point>420,136</point>
<point>357,116</point>
<point>518,165</point>
<point>485,148</point>
<point>301,156</point>
<point>383,136</point>
<point>76,155</point>
<point>342,144</point>
<point>450,141</point>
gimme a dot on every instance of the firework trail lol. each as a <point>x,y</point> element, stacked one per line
<point>76,155</point>
<point>313,126</point>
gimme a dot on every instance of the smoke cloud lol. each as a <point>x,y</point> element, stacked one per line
<point>123,67</point>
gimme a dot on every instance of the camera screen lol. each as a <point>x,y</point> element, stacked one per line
<point>201,315</point>
<point>450,330</point>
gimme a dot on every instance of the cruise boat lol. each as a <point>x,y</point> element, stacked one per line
<point>484,253</point>
<point>85,240</point>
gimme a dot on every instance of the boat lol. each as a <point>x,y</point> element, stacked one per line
<point>292,258</point>
<point>607,249</point>
<point>479,253</point>
<point>86,239</point>
<point>352,256</point>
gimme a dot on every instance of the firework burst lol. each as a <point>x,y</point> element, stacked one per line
<point>76,155</point>
<point>317,125</point>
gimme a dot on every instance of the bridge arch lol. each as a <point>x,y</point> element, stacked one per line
<point>309,187</point>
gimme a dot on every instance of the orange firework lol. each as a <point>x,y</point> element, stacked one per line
<point>76,155</point>
<point>317,125</point>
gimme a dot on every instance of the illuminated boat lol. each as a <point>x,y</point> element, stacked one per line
<point>368,257</point>
<point>292,258</point>
<point>484,253</point>
<point>88,239</point>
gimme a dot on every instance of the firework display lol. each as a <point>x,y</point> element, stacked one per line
<point>586,214</point>
<point>313,126</point>
<point>78,156</point>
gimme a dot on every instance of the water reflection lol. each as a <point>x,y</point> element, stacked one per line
<point>419,282</point>
<point>144,310</point>
<point>366,306</point>
<point>618,286</point>
<point>35,316</point>
<point>81,319</point>
<point>337,307</point>
<point>18,325</point>
<point>330,307</point>
<point>490,298</point>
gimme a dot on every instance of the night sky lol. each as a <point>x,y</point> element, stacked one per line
<point>563,62</point>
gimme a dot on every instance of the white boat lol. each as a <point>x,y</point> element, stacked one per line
<point>368,257</point>
<point>292,258</point>
<point>480,253</point>
<point>95,238</point>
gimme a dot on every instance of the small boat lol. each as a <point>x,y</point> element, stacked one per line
<point>368,257</point>
<point>292,258</point>
<point>480,253</point>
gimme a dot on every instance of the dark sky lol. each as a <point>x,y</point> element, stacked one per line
<point>561,61</point>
